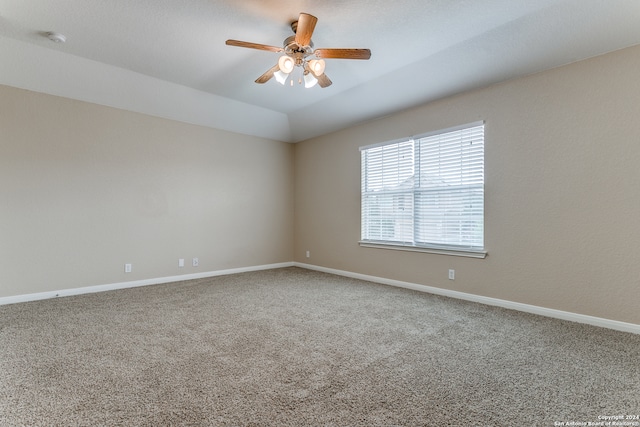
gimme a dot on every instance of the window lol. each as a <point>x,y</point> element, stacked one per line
<point>426,193</point>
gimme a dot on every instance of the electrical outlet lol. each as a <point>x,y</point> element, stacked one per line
<point>181,262</point>
<point>308,254</point>
<point>452,275</point>
<point>195,262</point>
<point>127,268</point>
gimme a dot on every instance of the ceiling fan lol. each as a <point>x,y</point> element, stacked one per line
<point>299,52</point>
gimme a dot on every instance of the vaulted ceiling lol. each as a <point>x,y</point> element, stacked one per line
<point>168,57</point>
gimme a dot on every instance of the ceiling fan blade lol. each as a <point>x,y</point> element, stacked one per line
<point>343,53</point>
<point>306,25</point>
<point>324,81</point>
<point>258,46</point>
<point>267,76</point>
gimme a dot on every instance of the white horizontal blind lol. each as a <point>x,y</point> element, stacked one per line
<point>387,192</point>
<point>450,191</point>
<point>427,192</point>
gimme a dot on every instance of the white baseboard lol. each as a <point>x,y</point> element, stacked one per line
<point>548,312</point>
<point>136,283</point>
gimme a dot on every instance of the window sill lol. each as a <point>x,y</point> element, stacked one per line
<point>439,251</point>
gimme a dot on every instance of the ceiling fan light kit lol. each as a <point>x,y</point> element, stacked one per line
<point>299,52</point>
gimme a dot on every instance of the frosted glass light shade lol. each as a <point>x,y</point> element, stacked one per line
<point>309,80</point>
<point>317,66</point>
<point>280,77</point>
<point>286,64</point>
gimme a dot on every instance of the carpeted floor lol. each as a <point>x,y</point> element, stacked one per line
<point>293,347</point>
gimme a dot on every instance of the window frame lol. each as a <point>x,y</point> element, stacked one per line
<point>404,244</point>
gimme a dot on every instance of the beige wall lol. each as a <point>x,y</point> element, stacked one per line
<point>85,189</point>
<point>562,212</point>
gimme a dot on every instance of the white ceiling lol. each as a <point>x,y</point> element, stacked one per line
<point>168,57</point>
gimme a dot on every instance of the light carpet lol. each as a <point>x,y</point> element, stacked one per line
<point>294,347</point>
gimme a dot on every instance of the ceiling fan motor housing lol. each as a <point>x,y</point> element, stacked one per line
<point>290,45</point>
